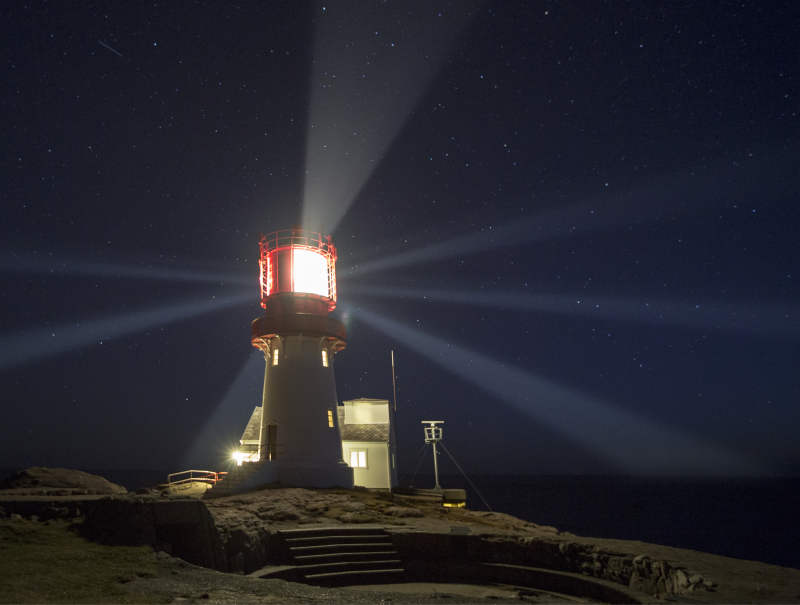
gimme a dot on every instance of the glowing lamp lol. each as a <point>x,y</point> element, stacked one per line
<point>301,264</point>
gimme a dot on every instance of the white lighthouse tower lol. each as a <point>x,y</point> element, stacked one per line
<point>299,442</point>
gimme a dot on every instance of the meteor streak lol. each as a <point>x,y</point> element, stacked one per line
<point>635,444</point>
<point>38,343</point>
<point>106,46</point>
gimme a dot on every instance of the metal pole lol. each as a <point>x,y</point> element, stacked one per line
<point>435,467</point>
<point>394,385</point>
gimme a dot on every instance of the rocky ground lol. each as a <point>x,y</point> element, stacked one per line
<point>235,535</point>
<point>695,576</point>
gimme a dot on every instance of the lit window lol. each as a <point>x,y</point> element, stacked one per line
<point>324,358</point>
<point>358,458</point>
<point>275,356</point>
<point>330,418</point>
<point>309,272</point>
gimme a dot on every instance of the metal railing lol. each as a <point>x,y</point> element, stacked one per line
<point>196,476</point>
<point>269,267</point>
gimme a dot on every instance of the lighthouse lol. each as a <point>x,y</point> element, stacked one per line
<point>299,439</point>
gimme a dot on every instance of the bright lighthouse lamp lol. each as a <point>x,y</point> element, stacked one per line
<point>309,272</point>
<point>301,265</point>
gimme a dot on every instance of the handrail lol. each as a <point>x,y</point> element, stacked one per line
<point>203,476</point>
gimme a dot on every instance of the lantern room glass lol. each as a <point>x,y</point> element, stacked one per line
<point>309,272</point>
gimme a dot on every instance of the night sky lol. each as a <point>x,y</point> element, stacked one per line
<point>575,222</point>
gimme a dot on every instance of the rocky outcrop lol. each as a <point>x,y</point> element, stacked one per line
<point>659,577</point>
<point>45,481</point>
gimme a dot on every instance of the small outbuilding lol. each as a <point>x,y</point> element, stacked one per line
<point>368,444</point>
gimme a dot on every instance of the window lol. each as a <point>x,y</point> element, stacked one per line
<point>324,358</point>
<point>358,458</point>
<point>275,356</point>
<point>330,418</point>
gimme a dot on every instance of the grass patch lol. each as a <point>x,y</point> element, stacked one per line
<point>49,563</point>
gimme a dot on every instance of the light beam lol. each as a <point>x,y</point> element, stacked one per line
<point>57,265</point>
<point>629,441</point>
<point>372,61</point>
<point>678,195</point>
<point>764,320</point>
<point>221,430</point>
<point>38,343</point>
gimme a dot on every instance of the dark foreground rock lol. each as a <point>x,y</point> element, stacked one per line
<point>242,533</point>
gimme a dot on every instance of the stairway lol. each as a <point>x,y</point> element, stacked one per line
<point>341,556</point>
<point>230,485</point>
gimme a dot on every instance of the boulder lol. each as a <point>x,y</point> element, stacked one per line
<point>40,477</point>
<point>403,511</point>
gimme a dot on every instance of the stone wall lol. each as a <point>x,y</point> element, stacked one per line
<point>183,528</point>
<point>639,573</point>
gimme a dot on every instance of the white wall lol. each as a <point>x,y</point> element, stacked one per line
<point>366,411</point>
<point>377,474</point>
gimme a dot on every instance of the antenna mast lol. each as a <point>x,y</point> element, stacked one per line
<point>433,435</point>
<point>394,386</point>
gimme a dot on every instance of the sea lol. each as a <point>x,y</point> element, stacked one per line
<point>746,518</point>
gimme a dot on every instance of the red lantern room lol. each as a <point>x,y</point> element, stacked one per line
<point>298,271</point>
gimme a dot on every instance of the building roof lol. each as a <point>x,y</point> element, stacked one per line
<point>361,432</point>
<point>365,432</point>
<point>252,432</point>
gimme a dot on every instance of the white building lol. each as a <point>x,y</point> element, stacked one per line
<point>368,444</point>
<point>250,443</point>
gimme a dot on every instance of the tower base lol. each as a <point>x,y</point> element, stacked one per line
<point>290,474</point>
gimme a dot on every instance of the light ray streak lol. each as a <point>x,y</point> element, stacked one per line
<point>38,343</point>
<point>765,320</point>
<point>16,263</point>
<point>675,196</point>
<point>371,64</point>
<point>630,441</point>
<point>222,427</point>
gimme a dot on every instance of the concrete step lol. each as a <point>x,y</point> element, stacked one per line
<point>344,578</point>
<point>316,569</point>
<point>331,531</point>
<point>337,539</point>
<point>370,555</point>
<point>334,548</point>
<point>229,485</point>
